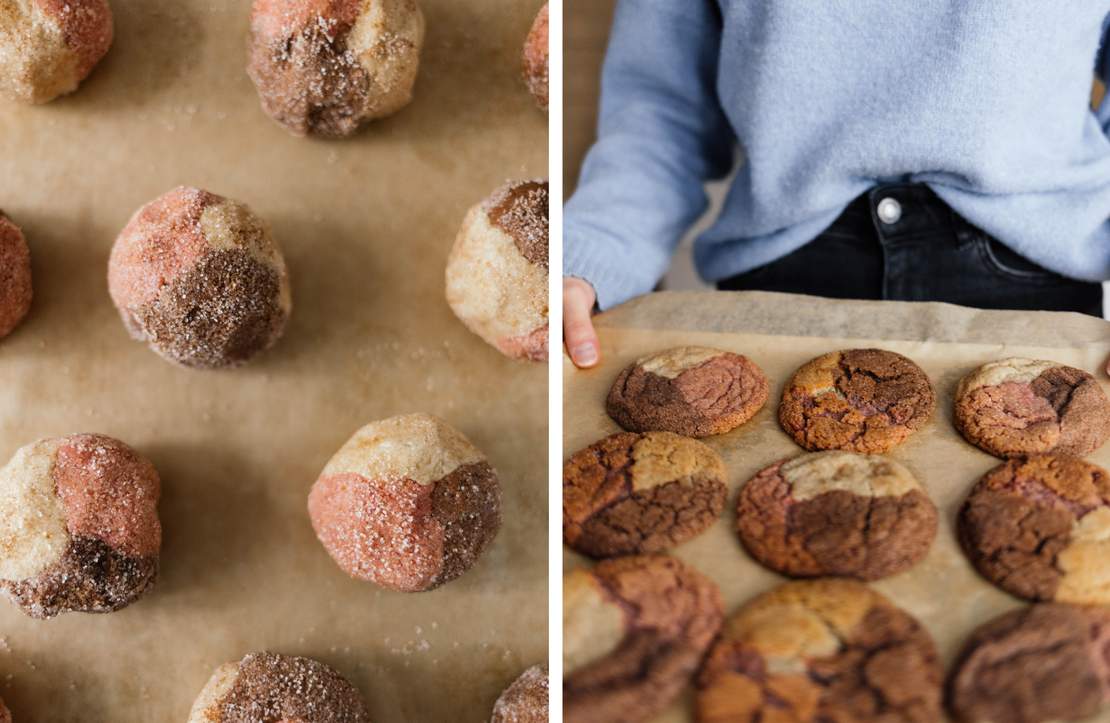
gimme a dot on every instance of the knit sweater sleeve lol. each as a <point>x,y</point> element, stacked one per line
<point>661,135</point>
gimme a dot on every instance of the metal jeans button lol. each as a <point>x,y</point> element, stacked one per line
<point>889,211</point>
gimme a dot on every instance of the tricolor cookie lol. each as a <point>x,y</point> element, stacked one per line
<point>857,400</point>
<point>1033,665</point>
<point>279,688</point>
<point>497,271</point>
<point>1016,407</point>
<point>200,279</point>
<point>79,528</point>
<point>836,514</point>
<point>821,650</point>
<point>47,47</point>
<point>634,631</point>
<point>328,66</point>
<point>407,503</point>
<point>526,700</point>
<point>1039,528</point>
<point>636,493</point>
<point>694,391</point>
<point>15,276</point>
<point>536,59</point>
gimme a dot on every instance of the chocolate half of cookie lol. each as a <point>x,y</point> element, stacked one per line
<point>1039,528</point>
<point>1017,407</point>
<point>635,493</point>
<point>693,391</point>
<point>634,631</point>
<point>1040,663</point>
<point>821,650</point>
<point>858,400</point>
<point>836,513</point>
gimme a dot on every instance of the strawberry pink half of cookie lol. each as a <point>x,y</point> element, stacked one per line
<point>15,276</point>
<point>79,528</point>
<point>200,279</point>
<point>536,59</point>
<point>47,47</point>
<point>407,503</point>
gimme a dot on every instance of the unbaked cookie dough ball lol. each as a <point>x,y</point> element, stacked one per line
<point>327,66</point>
<point>15,276</point>
<point>79,529</point>
<point>200,279</point>
<point>536,59</point>
<point>525,701</point>
<point>5,714</point>
<point>497,271</point>
<point>407,503</point>
<point>47,47</point>
<point>276,687</point>
<point>1016,407</point>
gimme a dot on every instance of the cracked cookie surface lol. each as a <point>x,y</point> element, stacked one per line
<point>821,650</point>
<point>1039,528</point>
<point>1041,663</point>
<point>857,400</point>
<point>637,493</point>
<point>836,513</point>
<point>1017,407</point>
<point>635,629</point>
<point>692,391</point>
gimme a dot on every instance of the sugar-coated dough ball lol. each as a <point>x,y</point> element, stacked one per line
<point>535,59</point>
<point>276,687</point>
<point>407,503</point>
<point>15,276</point>
<point>79,529</point>
<point>5,714</point>
<point>525,701</point>
<point>47,47</point>
<point>200,278</point>
<point>327,66</point>
<point>497,271</point>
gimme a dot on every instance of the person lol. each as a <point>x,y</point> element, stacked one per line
<point>944,150</point>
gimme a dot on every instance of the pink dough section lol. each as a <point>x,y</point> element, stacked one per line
<point>280,18</point>
<point>86,26</point>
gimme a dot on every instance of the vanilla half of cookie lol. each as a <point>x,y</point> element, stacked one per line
<point>638,493</point>
<point>497,272</point>
<point>634,630</point>
<point>275,687</point>
<point>79,528</point>
<point>694,391</point>
<point>1018,407</point>
<point>408,503</point>
<point>827,649</point>
<point>836,514</point>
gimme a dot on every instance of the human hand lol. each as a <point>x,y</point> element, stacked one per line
<point>578,328</point>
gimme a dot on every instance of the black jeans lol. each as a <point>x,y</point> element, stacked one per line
<point>901,242</point>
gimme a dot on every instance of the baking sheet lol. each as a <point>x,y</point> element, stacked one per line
<point>366,225</point>
<point>780,332</point>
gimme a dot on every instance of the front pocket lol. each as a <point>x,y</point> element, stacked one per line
<point>1000,260</point>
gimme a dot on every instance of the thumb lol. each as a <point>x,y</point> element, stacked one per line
<point>578,328</point>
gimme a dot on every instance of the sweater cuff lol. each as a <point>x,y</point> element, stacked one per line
<point>614,278</point>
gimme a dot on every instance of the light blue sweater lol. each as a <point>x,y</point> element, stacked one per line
<point>987,101</point>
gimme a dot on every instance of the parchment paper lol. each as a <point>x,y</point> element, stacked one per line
<point>780,332</point>
<point>366,225</point>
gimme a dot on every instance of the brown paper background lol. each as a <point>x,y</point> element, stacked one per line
<point>366,225</point>
<point>780,332</point>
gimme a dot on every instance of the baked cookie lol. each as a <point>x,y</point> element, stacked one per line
<point>637,493</point>
<point>15,276</point>
<point>325,67</point>
<point>1032,665</point>
<point>1017,407</point>
<point>536,59</point>
<point>497,271</point>
<point>634,631</point>
<point>690,390</point>
<point>836,514</point>
<point>47,47</point>
<point>79,528</point>
<point>407,503</point>
<point>1039,528</point>
<point>276,687</point>
<point>200,279</point>
<point>821,650</point>
<point>857,400</point>
<point>525,701</point>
